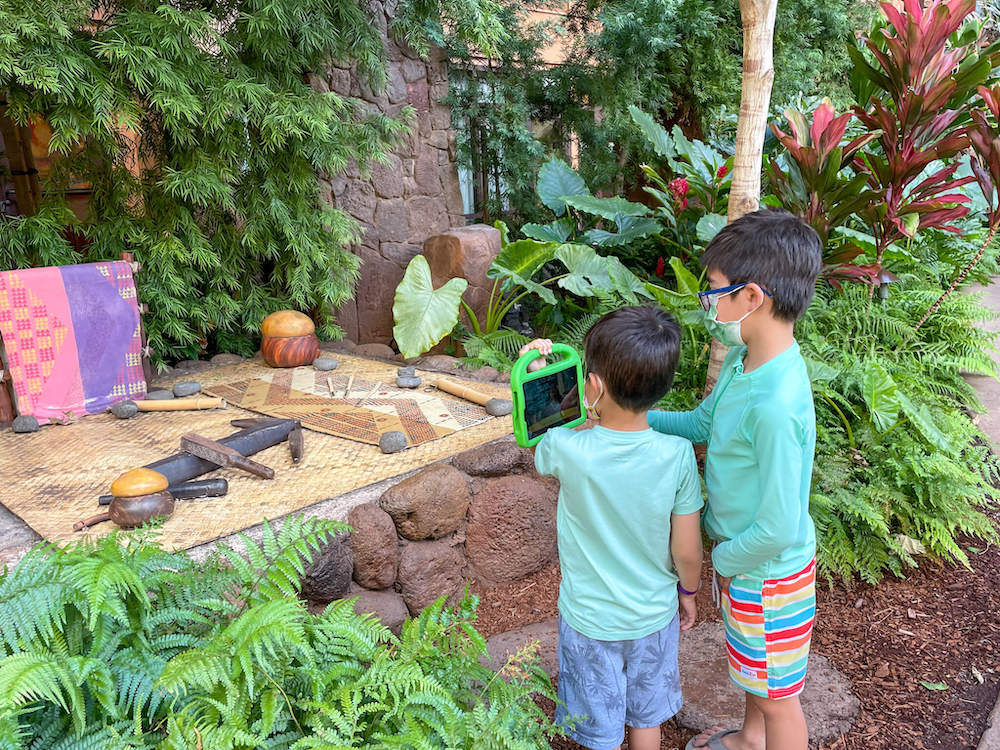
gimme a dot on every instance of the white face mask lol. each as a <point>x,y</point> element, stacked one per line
<point>592,408</point>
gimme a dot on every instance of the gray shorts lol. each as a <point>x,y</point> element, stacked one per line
<point>606,685</point>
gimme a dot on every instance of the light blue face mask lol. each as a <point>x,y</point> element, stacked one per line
<point>727,332</point>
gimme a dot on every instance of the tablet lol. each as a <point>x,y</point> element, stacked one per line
<point>549,397</point>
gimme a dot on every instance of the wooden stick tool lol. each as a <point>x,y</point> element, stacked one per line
<point>182,404</point>
<point>495,407</point>
<point>216,452</point>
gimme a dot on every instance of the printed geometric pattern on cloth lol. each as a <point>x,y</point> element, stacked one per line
<point>363,414</point>
<point>131,382</point>
<point>72,338</point>
<point>35,337</point>
<point>768,632</point>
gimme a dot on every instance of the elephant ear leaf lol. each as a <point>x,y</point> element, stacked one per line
<point>558,181</point>
<point>424,315</point>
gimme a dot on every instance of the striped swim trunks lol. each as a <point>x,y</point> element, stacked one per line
<point>768,629</point>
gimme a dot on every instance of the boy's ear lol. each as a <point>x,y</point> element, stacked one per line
<point>755,295</point>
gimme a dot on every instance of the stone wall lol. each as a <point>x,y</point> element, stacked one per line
<point>402,203</point>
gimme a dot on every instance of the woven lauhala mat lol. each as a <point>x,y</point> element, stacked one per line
<point>321,401</point>
<point>53,477</point>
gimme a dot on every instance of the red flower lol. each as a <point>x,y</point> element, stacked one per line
<point>659,266</point>
<point>723,171</point>
<point>684,204</point>
<point>678,188</point>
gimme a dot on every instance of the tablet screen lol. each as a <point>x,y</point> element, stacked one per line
<point>551,401</point>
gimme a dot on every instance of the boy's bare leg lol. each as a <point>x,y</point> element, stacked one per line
<point>644,739</point>
<point>749,737</point>
<point>784,722</point>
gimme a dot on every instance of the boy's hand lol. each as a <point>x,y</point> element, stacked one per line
<point>688,610</point>
<point>544,346</point>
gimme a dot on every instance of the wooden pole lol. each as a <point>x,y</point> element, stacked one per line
<point>755,98</point>
<point>17,142</point>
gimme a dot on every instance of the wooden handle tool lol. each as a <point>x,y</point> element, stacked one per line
<point>216,452</point>
<point>92,521</point>
<point>495,407</point>
<point>182,404</point>
<point>295,442</point>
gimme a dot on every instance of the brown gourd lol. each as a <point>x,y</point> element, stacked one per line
<point>288,339</point>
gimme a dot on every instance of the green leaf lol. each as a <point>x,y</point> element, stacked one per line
<point>881,395</point>
<point>668,298</point>
<point>911,223</point>
<point>424,315</point>
<point>687,282</point>
<point>655,133</point>
<point>630,229</point>
<point>504,232</point>
<point>607,208</point>
<point>820,372</point>
<point>922,418</point>
<point>586,269</point>
<point>521,259</point>
<point>626,283</point>
<point>708,226</point>
<point>557,231</point>
<point>934,685</point>
<point>558,181</point>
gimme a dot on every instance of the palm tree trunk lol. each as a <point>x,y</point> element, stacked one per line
<point>758,75</point>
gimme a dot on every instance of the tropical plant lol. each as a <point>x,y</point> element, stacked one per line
<point>203,143</point>
<point>119,644</point>
<point>425,316</point>
<point>810,180</point>
<point>914,87</point>
<point>901,469</point>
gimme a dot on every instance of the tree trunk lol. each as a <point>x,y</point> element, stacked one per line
<point>758,75</point>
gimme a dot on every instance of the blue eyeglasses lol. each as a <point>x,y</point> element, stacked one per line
<point>705,297</point>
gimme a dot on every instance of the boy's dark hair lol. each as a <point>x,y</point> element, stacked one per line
<point>635,351</point>
<point>775,249</point>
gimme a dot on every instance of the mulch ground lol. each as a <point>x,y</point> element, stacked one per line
<point>940,627</point>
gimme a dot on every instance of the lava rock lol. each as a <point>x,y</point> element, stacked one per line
<point>428,570</point>
<point>24,423</point>
<point>373,542</point>
<point>428,505</point>
<point>125,409</point>
<point>325,363</point>
<point>187,388</point>
<point>379,351</point>
<point>407,372</point>
<point>495,460</point>
<point>388,606</point>
<point>393,441</point>
<point>159,395</point>
<point>403,382</point>
<point>329,576</point>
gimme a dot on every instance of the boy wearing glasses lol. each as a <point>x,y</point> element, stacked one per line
<point>760,427</point>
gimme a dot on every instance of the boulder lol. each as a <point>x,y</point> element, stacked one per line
<point>465,252</point>
<point>439,363</point>
<point>504,645</point>
<point>495,459</point>
<point>329,575</point>
<point>711,699</point>
<point>374,546</point>
<point>485,374</point>
<point>388,606</point>
<point>428,570</point>
<point>191,366</point>
<point>381,351</point>
<point>430,504</point>
<point>222,360</point>
<point>512,528</point>
<point>342,345</point>
<point>372,305</point>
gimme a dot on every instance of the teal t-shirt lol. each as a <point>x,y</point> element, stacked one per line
<point>760,427</point>
<point>618,490</point>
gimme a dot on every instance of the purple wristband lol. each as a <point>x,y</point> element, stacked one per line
<point>685,591</point>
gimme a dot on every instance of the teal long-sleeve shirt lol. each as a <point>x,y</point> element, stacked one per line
<point>760,427</point>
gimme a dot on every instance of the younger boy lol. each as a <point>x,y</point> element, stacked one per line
<point>760,426</point>
<point>629,537</point>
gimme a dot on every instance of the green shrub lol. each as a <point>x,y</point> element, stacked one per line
<point>119,644</point>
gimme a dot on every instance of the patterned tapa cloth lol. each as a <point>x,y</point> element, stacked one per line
<point>71,338</point>
<point>321,402</point>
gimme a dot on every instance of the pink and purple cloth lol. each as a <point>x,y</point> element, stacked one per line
<point>71,338</point>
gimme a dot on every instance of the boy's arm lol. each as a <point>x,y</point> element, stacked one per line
<point>778,447</point>
<point>686,551</point>
<point>695,425</point>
